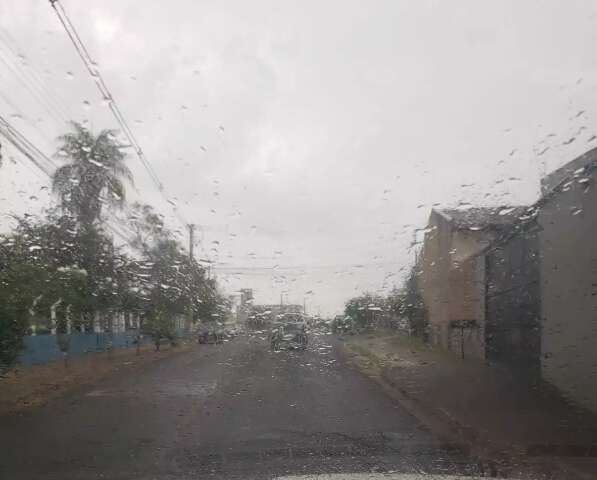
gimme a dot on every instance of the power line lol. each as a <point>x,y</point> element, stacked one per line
<point>34,93</point>
<point>30,72</point>
<point>91,67</point>
<point>100,83</point>
<point>37,157</point>
<point>16,139</point>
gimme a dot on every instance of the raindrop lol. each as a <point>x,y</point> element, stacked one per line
<point>506,211</point>
<point>34,248</point>
<point>568,142</point>
<point>512,152</point>
<point>86,104</point>
<point>97,164</point>
<point>593,137</point>
<point>70,75</point>
<point>203,148</point>
<point>221,129</point>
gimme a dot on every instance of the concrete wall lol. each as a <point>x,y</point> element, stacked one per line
<point>568,273</point>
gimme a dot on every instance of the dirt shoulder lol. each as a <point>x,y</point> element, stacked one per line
<point>518,424</point>
<point>28,387</point>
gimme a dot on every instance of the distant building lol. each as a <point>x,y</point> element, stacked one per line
<point>262,316</point>
<point>451,274</point>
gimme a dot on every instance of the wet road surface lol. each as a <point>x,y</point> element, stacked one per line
<point>235,410</point>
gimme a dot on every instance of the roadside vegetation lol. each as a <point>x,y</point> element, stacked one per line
<point>65,260</point>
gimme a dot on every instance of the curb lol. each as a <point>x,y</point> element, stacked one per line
<point>494,459</point>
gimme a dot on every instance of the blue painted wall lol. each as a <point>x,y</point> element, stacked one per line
<point>41,349</point>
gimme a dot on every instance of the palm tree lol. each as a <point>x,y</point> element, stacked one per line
<point>94,175</point>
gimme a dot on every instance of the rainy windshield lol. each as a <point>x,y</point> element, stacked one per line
<point>334,239</point>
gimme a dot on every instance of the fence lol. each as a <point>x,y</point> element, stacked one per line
<point>41,349</point>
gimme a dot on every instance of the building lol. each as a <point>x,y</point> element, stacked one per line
<point>451,274</point>
<point>513,297</point>
<point>262,316</point>
<point>567,221</point>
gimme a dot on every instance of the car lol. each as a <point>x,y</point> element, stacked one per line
<point>289,336</point>
<point>210,334</point>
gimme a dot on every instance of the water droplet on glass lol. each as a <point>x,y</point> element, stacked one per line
<point>70,75</point>
<point>86,104</point>
<point>506,211</point>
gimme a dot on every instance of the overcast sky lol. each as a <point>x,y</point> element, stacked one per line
<point>309,139</point>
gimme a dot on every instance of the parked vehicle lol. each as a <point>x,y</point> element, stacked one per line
<point>210,334</point>
<point>289,336</point>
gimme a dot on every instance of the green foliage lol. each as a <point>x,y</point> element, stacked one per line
<point>65,261</point>
<point>160,326</point>
<point>93,175</point>
<point>413,307</point>
<point>364,309</point>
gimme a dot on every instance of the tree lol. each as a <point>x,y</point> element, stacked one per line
<point>93,176</point>
<point>363,309</point>
<point>413,307</point>
<point>148,226</point>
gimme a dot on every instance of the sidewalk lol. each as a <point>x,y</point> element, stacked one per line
<point>27,387</point>
<point>489,408</point>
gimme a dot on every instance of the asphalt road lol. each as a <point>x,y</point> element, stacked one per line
<point>235,410</point>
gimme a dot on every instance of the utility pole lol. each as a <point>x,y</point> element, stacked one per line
<point>191,239</point>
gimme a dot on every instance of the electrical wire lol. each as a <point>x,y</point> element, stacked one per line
<point>91,67</point>
<point>29,71</point>
<point>31,152</point>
